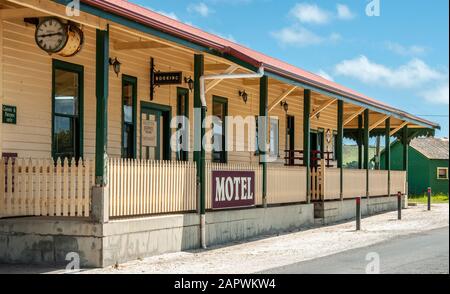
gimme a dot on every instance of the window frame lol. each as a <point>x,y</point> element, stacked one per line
<point>77,69</point>
<point>224,102</point>
<point>277,137</point>
<point>134,81</point>
<point>439,169</point>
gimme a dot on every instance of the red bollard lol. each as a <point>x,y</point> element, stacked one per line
<point>358,213</point>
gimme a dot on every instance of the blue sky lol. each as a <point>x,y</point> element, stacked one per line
<point>399,57</point>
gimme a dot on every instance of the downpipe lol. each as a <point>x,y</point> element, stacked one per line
<point>203,80</point>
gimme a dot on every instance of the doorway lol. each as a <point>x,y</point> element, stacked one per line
<point>155,131</point>
<point>290,138</point>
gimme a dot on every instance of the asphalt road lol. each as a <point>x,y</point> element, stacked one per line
<point>424,253</point>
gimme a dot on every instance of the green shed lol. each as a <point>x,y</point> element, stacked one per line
<point>427,166</point>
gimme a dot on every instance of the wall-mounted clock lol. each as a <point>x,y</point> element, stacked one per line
<point>56,37</point>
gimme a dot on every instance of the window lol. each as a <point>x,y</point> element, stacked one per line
<point>220,111</point>
<point>129,100</point>
<point>183,111</point>
<point>274,137</point>
<point>442,173</point>
<point>67,101</point>
<point>256,135</point>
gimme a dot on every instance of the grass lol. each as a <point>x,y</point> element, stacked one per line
<point>423,199</point>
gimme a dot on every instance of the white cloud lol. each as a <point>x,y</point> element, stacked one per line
<point>410,75</point>
<point>310,13</point>
<point>325,75</point>
<point>438,95</point>
<point>413,50</point>
<point>344,13</point>
<point>302,37</point>
<point>199,8</point>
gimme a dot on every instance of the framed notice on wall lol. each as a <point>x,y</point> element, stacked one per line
<point>9,114</point>
<point>149,133</point>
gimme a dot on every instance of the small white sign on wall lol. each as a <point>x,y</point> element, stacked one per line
<point>149,133</point>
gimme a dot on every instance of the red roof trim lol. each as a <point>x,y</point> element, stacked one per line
<point>254,58</point>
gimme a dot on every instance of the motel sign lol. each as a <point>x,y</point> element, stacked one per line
<point>233,189</point>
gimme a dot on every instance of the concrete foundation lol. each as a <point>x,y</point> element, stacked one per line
<point>334,211</point>
<point>49,240</point>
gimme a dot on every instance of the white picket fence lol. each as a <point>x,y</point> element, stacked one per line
<point>142,187</point>
<point>42,187</point>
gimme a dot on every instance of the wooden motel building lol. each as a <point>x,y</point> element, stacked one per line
<point>89,90</point>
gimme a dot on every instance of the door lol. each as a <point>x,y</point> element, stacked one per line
<point>290,138</point>
<point>317,147</point>
<point>155,132</point>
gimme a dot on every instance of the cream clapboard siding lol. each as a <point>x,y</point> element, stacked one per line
<point>27,80</point>
<point>28,84</point>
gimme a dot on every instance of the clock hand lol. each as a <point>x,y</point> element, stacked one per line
<point>49,35</point>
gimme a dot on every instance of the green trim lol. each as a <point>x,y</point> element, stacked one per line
<point>166,113</point>
<point>224,102</point>
<point>134,81</point>
<point>78,69</point>
<point>263,112</point>
<point>101,93</point>
<point>307,140</point>
<point>387,158</point>
<point>340,145</point>
<point>360,141</point>
<point>200,48</point>
<point>185,93</point>
<point>405,148</point>
<point>199,156</point>
<point>366,148</point>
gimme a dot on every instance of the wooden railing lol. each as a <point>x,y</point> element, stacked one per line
<point>286,184</point>
<point>296,158</point>
<point>233,167</point>
<point>141,187</point>
<point>33,187</point>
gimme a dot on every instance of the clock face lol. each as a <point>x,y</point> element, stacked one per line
<point>51,35</point>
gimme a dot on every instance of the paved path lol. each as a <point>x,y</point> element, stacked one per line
<point>299,247</point>
<point>424,253</point>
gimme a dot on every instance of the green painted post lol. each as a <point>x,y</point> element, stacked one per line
<point>340,146</point>
<point>387,153</point>
<point>263,112</point>
<point>360,142</point>
<point>366,150</point>
<point>199,155</point>
<point>307,141</point>
<point>405,136</point>
<point>405,148</point>
<point>102,83</point>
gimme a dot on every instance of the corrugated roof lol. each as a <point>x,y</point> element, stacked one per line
<point>171,26</point>
<point>431,148</point>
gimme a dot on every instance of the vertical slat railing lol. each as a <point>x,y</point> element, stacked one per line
<point>142,187</point>
<point>41,187</point>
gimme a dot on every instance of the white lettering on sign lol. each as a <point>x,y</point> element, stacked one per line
<point>230,188</point>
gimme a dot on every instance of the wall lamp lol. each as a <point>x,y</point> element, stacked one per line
<point>190,83</point>
<point>285,106</point>
<point>115,63</point>
<point>244,96</point>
